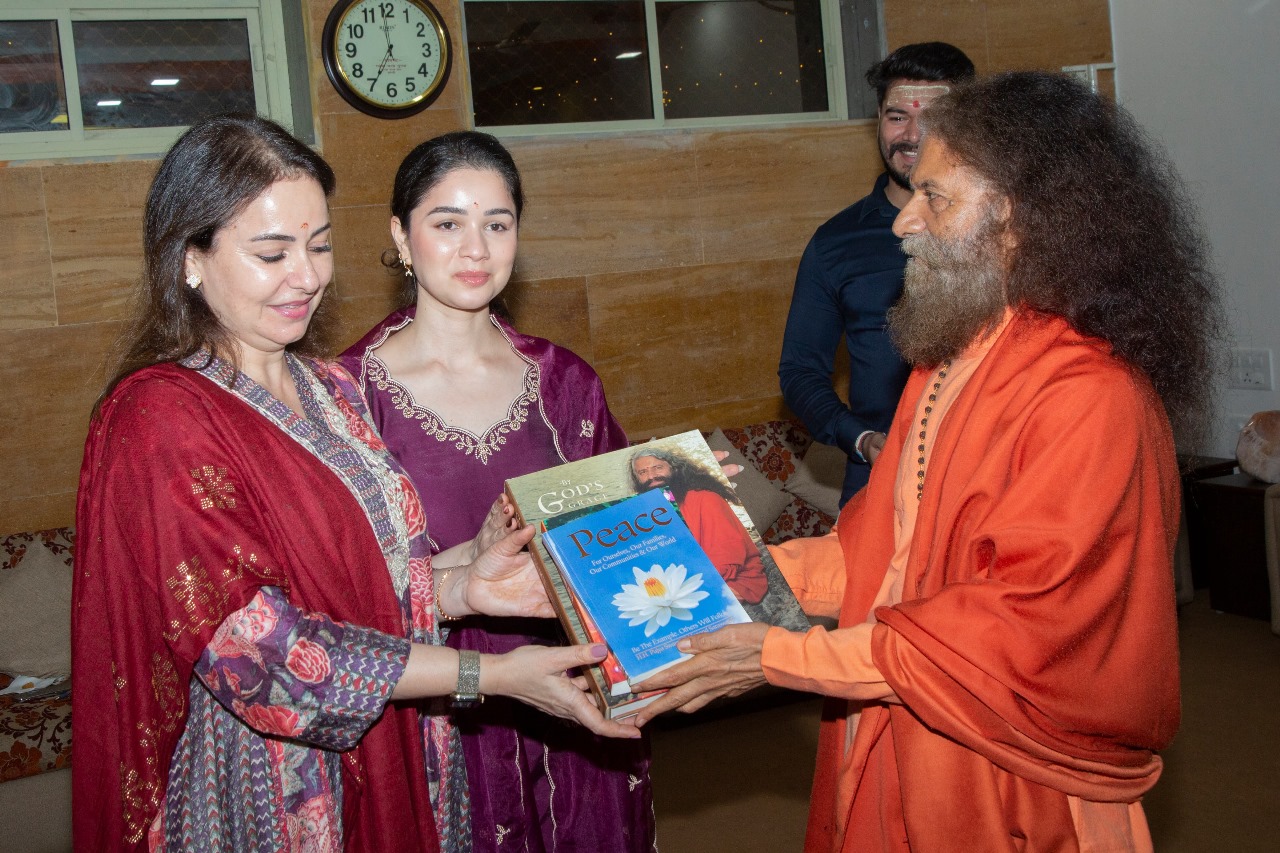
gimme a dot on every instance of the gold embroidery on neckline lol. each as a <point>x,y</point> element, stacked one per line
<point>479,446</point>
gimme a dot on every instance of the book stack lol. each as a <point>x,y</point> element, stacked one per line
<point>642,547</point>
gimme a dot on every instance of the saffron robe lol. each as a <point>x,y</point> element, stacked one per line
<point>1033,658</point>
<point>727,543</point>
<point>190,501</point>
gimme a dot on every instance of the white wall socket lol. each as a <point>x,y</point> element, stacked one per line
<point>1250,370</point>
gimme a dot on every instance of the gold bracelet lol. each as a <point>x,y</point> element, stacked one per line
<point>444,576</point>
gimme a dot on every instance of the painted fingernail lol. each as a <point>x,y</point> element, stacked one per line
<point>599,650</point>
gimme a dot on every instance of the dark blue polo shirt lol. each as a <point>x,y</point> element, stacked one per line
<point>850,274</point>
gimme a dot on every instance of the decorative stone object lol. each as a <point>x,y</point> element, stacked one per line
<point>1258,449</point>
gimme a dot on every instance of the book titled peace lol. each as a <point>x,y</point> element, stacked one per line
<point>636,568</point>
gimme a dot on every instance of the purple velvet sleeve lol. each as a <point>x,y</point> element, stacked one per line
<point>301,675</point>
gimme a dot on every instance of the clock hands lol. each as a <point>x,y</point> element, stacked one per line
<point>389,56</point>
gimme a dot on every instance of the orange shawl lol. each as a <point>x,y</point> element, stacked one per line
<point>1035,649</point>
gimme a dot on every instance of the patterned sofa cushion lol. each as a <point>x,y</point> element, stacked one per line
<point>35,603</point>
<point>35,731</point>
<point>35,640</point>
<point>775,448</point>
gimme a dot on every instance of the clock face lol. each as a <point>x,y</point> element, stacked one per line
<point>386,57</point>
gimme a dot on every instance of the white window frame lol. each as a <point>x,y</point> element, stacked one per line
<point>832,52</point>
<point>264,23</point>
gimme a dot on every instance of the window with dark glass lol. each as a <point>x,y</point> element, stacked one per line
<point>536,62</point>
<point>162,73</point>
<point>557,62</point>
<point>33,96</point>
<point>741,58</point>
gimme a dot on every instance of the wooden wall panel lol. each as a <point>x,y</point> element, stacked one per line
<point>1007,35</point>
<point>679,339</point>
<point>26,273</point>
<point>607,204</point>
<point>53,376</point>
<point>757,193</point>
<point>95,236</point>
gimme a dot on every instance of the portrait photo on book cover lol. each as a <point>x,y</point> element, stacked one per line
<point>720,523</point>
<point>581,503</point>
<point>684,467</point>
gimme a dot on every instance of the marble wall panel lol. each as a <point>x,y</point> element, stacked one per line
<point>26,275</point>
<point>762,194</point>
<point>56,374</point>
<point>1007,35</point>
<point>608,204</point>
<point>962,23</point>
<point>95,236</point>
<point>682,339</point>
<point>736,413</point>
<point>365,152</point>
<point>360,235</point>
<point>357,315</point>
<point>1069,32</point>
<point>555,309</point>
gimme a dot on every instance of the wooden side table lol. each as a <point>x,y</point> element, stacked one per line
<point>1192,468</point>
<point>1228,541</point>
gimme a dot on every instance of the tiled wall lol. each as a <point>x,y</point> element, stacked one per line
<point>665,259</point>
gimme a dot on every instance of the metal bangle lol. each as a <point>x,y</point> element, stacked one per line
<point>444,576</point>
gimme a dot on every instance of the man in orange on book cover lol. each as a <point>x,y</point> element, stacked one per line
<point>1005,670</point>
<point>704,504</point>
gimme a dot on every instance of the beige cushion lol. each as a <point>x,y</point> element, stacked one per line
<point>35,607</point>
<point>819,477</point>
<point>763,500</point>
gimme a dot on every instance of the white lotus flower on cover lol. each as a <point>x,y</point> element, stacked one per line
<point>658,596</point>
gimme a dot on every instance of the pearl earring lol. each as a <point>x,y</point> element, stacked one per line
<point>193,281</point>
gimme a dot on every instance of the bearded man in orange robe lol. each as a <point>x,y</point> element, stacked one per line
<point>1005,669</point>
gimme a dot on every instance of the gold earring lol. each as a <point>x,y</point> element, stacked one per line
<point>193,281</point>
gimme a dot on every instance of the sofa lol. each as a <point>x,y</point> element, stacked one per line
<point>789,486</point>
<point>35,724</point>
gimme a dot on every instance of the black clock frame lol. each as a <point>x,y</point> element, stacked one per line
<point>329,51</point>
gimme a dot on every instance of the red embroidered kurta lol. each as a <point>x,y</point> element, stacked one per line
<point>1034,652</point>
<point>190,501</point>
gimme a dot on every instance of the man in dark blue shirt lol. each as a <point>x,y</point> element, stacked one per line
<point>851,273</point>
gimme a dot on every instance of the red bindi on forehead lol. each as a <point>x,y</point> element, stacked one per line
<point>304,226</point>
<point>915,104</point>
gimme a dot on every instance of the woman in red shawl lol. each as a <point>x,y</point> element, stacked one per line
<point>254,593</point>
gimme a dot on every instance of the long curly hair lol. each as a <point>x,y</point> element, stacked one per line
<point>1105,235</point>
<point>212,173</point>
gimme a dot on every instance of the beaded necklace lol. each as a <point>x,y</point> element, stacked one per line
<point>924,422</point>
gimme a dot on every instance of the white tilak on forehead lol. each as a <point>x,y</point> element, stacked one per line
<point>916,96</point>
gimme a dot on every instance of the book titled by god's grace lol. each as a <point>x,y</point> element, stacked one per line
<point>682,471</point>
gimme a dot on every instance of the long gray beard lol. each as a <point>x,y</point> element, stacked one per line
<point>953,293</point>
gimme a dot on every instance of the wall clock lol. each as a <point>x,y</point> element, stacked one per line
<point>387,58</point>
